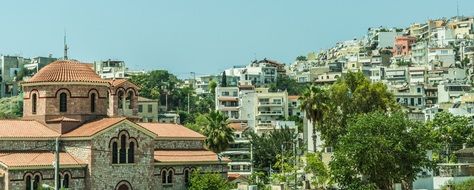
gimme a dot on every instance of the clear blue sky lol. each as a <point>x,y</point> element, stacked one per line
<point>204,36</point>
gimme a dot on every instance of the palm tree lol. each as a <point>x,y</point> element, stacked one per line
<point>218,134</point>
<point>314,103</point>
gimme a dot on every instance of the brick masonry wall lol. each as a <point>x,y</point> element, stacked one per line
<point>78,100</point>
<point>17,178</point>
<point>105,175</point>
<point>7,145</point>
<point>178,144</point>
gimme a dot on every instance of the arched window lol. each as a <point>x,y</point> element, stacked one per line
<point>130,99</point>
<point>92,102</point>
<point>28,182</point>
<point>170,176</point>
<point>186,176</point>
<point>131,152</point>
<point>36,182</point>
<point>65,183</point>
<point>120,99</point>
<point>123,149</point>
<point>114,153</point>
<point>33,103</point>
<point>63,102</point>
<point>163,176</point>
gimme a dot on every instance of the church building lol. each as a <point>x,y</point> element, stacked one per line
<point>68,104</point>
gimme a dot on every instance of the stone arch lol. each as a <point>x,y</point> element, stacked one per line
<point>123,185</point>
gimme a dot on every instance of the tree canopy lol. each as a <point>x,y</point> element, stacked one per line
<point>380,149</point>
<point>206,180</point>
<point>218,134</point>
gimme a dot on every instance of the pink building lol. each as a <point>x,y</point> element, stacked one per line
<point>402,45</point>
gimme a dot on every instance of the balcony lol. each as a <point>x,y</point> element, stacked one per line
<point>270,104</point>
<point>270,113</point>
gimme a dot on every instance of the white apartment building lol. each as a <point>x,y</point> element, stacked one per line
<point>442,57</point>
<point>110,69</point>
<point>447,92</point>
<point>417,75</point>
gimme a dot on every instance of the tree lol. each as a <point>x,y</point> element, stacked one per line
<point>212,87</point>
<point>267,146</point>
<point>314,104</point>
<point>380,149</point>
<point>290,85</point>
<point>451,132</point>
<point>205,180</point>
<point>301,58</point>
<point>11,107</point>
<point>224,80</point>
<point>218,134</point>
<point>321,177</point>
<point>199,123</point>
<point>351,95</point>
<point>465,185</point>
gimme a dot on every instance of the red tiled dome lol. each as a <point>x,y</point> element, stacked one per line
<point>66,71</point>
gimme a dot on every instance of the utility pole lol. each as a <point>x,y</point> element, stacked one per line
<point>188,102</point>
<point>56,165</point>
<point>251,158</point>
<point>296,164</point>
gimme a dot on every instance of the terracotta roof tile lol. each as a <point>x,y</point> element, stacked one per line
<point>66,71</point>
<point>293,97</point>
<point>238,126</point>
<point>186,156</point>
<point>24,159</point>
<point>91,128</point>
<point>25,129</point>
<point>171,130</point>
<point>119,82</point>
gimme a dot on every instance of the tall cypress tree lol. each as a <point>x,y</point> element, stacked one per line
<point>224,80</point>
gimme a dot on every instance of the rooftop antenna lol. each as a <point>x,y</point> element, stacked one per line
<point>457,9</point>
<point>65,46</point>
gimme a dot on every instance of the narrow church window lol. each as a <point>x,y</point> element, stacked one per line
<point>63,102</point>
<point>33,103</point>
<point>92,102</point>
<point>28,182</point>
<point>66,181</point>
<point>131,152</point>
<point>130,99</point>
<point>170,176</point>
<point>163,177</point>
<point>36,182</point>
<point>114,153</point>
<point>120,99</point>
<point>186,176</point>
<point>123,149</point>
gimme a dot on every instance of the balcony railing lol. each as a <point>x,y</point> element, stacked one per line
<point>270,113</point>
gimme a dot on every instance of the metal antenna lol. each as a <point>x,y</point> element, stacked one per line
<point>65,46</point>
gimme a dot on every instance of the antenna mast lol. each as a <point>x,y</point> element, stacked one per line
<point>65,46</point>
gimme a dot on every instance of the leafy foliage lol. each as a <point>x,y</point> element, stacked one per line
<point>451,132</point>
<point>218,134</point>
<point>199,123</point>
<point>380,149</point>
<point>206,180</point>
<point>314,102</point>
<point>350,96</point>
<point>267,146</point>
<point>465,185</point>
<point>315,166</point>
<point>290,85</point>
<point>11,107</point>
<point>301,58</point>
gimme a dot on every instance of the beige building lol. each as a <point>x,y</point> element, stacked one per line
<point>99,147</point>
<point>147,110</point>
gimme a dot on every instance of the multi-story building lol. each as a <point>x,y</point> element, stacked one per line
<point>147,110</point>
<point>417,75</point>
<point>227,101</point>
<point>239,151</point>
<point>419,53</point>
<point>441,57</point>
<point>447,92</point>
<point>411,95</point>
<point>396,75</point>
<point>271,106</point>
<point>99,147</point>
<point>10,67</point>
<point>39,62</point>
<point>402,46</point>
<point>110,69</point>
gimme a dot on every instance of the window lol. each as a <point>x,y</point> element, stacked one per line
<point>140,108</point>
<point>114,153</point>
<point>418,90</point>
<point>33,104</point>
<point>419,101</point>
<point>120,99</point>
<point>163,176</point>
<point>65,182</point>
<point>150,108</point>
<point>63,102</point>
<point>131,152</point>
<point>123,149</point>
<point>170,176</point>
<point>36,182</point>
<point>92,102</point>
<point>167,176</point>
<point>28,182</point>
<point>130,100</point>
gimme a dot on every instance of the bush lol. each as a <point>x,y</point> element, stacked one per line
<point>465,185</point>
<point>208,180</point>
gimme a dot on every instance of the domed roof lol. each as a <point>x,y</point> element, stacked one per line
<point>66,71</point>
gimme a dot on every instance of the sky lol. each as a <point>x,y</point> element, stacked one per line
<point>204,36</point>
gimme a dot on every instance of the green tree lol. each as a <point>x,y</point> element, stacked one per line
<point>351,95</point>
<point>199,123</point>
<point>465,185</point>
<point>290,85</point>
<point>451,132</point>
<point>301,58</point>
<point>11,107</point>
<point>224,80</point>
<point>267,146</point>
<point>314,103</point>
<point>321,177</point>
<point>206,181</point>
<point>380,149</point>
<point>218,134</point>
<point>212,87</point>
